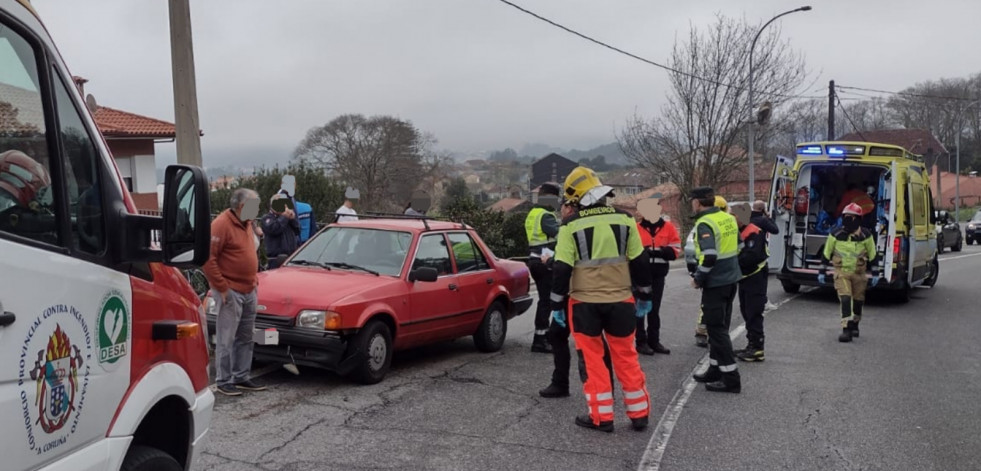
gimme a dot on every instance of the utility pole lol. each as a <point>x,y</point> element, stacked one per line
<point>185,92</point>
<point>831,110</point>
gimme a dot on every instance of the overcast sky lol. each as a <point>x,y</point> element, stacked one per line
<point>478,74</point>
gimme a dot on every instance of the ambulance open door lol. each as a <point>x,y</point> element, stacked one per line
<point>781,209</point>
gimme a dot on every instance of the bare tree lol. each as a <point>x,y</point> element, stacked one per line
<point>386,158</point>
<point>697,138</point>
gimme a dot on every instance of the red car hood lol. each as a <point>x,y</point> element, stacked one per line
<point>286,291</point>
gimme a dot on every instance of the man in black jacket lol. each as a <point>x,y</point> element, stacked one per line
<point>753,255</point>
<point>759,219</point>
<point>280,228</point>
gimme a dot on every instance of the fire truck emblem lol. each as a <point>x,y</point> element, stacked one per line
<point>56,375</point>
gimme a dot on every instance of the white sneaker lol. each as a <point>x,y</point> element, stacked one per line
<point>769,307</point>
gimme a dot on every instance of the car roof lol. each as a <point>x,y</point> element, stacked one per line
<point>407,224</point>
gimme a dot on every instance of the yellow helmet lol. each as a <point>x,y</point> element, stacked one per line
<point>721,203</point>
<point>579,181</point>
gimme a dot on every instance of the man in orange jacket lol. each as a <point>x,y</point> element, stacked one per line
<point>663,244</point>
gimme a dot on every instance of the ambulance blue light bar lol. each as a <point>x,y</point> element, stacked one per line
<point>842,151</point>
<point>810,150</point>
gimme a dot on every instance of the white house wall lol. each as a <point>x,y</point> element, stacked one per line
<point>144,174</point>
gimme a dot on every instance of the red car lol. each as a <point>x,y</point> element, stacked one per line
<point>357,291</point>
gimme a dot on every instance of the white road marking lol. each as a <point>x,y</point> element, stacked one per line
<point>960,256</point>
<point>651,461</point>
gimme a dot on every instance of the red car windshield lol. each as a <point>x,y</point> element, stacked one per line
<point>372,249</point>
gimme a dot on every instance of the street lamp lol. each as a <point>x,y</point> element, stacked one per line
<point>752,129</point>
<point>957,181</point>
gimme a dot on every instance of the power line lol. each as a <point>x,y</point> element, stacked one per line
<point>634,56</point>
<point>908,94</point>
<point>849,118</point>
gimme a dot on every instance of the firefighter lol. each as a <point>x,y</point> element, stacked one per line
<point>541,227</point>
<point>851,250</point>
<point>701,334</point>
<point>753,256</point>
<point>558,338</point>
<point>663,244</point>
<point>716,249</point>
<point>598,259</point>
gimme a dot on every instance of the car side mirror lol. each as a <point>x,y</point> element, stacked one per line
<point>427,274</point>
<point>186,235</point>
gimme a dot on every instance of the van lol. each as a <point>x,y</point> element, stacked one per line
<point>103,361</point>
<point>893,186</point>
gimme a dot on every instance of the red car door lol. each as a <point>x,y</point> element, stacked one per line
<point>475,277</point>
<point>434,306</point>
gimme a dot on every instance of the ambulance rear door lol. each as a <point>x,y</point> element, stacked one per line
<point>66,310</point>
<point>781,209</point>
<point>889,199</point>
<point>918,208</point>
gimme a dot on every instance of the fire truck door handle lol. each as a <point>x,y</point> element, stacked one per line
<point>7,318</point>
<point>490,281</point>
<point>452,287</point>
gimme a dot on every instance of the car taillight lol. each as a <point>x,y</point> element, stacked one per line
<point>895,246</point>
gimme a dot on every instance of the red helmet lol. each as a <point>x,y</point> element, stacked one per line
<point>852,208</point>
<point>21,179</point>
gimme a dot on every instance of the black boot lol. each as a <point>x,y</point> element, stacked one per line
<point>645,349</point>
<point>752,352</point>
<point>540,344</point>
<point>730,383</point>
<point>554,390</point>
<point>639,424</point>
<point>846,335</point>
<point>855,330</point>
<point>711,374</point>
<point>587,422</point>
<point>857,309</point>
<point>658,348</point>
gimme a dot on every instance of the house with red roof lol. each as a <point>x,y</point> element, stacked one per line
<point>132,140</point>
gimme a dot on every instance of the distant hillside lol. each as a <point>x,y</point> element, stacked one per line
<point>611,151</point>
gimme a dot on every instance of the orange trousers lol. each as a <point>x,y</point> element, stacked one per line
<point>590,323</point>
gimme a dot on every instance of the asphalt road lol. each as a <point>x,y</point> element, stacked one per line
<point>902,396</point>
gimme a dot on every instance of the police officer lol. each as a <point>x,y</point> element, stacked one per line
<point>701,334</point>
<point>716,249</point>
<point>598,258</point>
<point>851,249</point>
<point>541,227</point>
<point>753,256</point>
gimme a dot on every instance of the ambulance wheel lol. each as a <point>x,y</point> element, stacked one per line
<point>932,280</point>
<point>940,243</point>
<point>493,329</point>
<point>959,246</point>
<point>790,287</point>
<point>145,458</point>
<point>373,347</point>
<point>904,294</point>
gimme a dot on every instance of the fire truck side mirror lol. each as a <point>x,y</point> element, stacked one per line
<point>186,234</point>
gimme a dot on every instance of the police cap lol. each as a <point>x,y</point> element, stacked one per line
<point>549,188</point>
<point>702,192</point>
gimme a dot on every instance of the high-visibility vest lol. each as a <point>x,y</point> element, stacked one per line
<point>598,244</point>
<point>533,228</point>
<point>726,233</point>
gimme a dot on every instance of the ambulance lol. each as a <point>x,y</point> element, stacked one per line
<point>891,184</point>
<point>103,361</point>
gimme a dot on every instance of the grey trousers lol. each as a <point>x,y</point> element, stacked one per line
<point>233,346</point>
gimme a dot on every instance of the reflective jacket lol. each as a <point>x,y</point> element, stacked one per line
<point>716,249</point>
<point>541,228</point>
<point>598,258</point>
<point>850,253</point>
<point>663,242</point>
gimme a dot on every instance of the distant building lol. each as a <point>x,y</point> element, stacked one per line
<point>551,168</point>
<point>510,205</point>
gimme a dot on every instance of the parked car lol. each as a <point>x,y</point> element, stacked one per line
<point>973,232</point>
<point>948,232</point>
<point>359,290</point>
